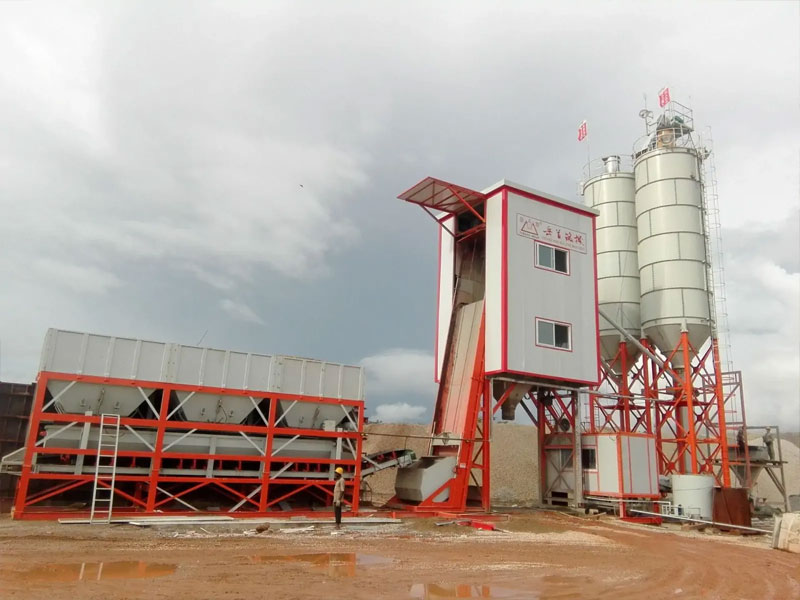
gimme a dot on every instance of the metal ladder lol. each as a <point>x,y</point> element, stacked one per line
<point>105,469</point>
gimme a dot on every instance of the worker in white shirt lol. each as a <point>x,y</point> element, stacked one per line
<point>338,496</point>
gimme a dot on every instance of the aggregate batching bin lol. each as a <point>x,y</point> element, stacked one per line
<point>144,361</point>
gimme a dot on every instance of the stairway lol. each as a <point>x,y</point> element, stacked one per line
<point>105,470</point>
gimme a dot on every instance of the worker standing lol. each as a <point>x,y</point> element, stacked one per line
<point>768,441</point>
<point>740,439</point>
<point>338,496</point>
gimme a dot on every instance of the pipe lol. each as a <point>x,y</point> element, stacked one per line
<point>715,523</point>
<point>631,339</point>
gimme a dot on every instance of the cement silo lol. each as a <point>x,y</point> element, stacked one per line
<point>609,188</point>
<point>672,244</point>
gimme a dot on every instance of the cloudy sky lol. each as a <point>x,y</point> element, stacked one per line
<point>228,170</point>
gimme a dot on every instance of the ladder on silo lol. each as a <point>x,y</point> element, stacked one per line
<point>715,257</point>
<point>105,469</point>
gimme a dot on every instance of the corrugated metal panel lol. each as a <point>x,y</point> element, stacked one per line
<point>732,505</point>
<point>124,358</point>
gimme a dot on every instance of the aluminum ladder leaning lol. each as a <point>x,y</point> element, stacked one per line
<point>105,469</point>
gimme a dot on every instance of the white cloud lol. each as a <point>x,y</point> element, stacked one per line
<point>133,155</point>
<point>764,318</point>
<point>401,412</point>
<point>124,169</point>
<point>85,279</point>
<point>240,311</point>
<point>400,371</point>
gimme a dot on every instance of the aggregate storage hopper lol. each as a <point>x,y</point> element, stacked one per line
<point>84,354</point>
<point>195,415</point>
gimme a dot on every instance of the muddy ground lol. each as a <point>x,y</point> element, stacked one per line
<point>542,555</point>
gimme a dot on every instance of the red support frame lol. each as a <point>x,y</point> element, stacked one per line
<point>473,451</point>
<point>155,492</point>
<point>684,406</point>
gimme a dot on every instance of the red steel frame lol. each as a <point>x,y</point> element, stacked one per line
<point>699,438</point>
<point>156,493</point>
<point>473,450</point>
<point>684,408</point>
<point>556,412</point>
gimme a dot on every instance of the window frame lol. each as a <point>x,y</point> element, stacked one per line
<point>585,450</point>
<point>553,322</point>
<point>537,244</point>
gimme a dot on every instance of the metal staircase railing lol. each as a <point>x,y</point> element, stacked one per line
<point>105,470</point>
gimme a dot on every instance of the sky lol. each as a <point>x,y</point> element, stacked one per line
<point>227,172</point>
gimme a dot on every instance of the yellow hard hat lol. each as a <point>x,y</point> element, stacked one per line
<point>339,470</point>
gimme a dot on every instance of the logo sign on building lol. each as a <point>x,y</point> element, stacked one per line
<point>583,131</point>
<point>663,97</point>
<point>556,235</point>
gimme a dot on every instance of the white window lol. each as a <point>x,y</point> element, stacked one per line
<point>553,335</point>
<point>552,259</point>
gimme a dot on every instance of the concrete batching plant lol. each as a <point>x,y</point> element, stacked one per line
<point>597,320</point>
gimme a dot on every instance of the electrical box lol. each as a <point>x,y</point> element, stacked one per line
<point>620,465</point>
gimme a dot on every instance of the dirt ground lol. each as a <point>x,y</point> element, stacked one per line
<point>541,555</point>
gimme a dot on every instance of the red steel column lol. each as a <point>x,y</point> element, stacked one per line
<point>688,393</point>
<point>155,462</point>
<point>723,433</point>
<point>542,418</point>
<point>33,432</point>
<point>486,496</point>
<point>265,476</point>
<point>625,425</point>
<point>357,479</point>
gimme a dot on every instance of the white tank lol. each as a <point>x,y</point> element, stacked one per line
<point>672,250</point>
<point>692,494</point>
<point>611,191</point>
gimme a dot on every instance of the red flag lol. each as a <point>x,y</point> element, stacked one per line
<point>583,131</point>
<point>663,97</point>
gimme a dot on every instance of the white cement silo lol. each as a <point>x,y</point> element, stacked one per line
<point>610,190</point>
<point>672,248</point>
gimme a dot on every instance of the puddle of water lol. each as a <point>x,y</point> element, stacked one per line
<point>333,564</point>
<point>98,571</point>
<point>433,591</point>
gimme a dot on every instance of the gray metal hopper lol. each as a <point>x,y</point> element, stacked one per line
<point>77,353</point>
<point>422,478</point>
<point>200,443</point>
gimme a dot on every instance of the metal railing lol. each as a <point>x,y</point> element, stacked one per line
<point>614,163</point>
